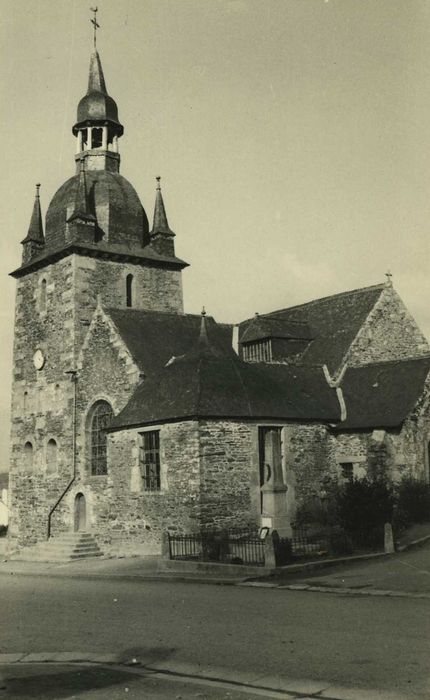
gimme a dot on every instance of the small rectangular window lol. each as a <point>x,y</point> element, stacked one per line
<point>149,460</point>
<point>347,471</point>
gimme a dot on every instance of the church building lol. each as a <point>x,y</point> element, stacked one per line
<point>131,417</point>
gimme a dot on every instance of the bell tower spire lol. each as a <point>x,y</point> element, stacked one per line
<point>97,128</point>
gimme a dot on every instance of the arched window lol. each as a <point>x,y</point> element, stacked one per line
<point>28,455</point>
<point>43,295</point>
<point>129,290</point>
<point>100,417</point>
<point>97,137</point>
<point>51,456</point>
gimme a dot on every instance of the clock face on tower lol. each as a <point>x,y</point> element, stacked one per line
<point>38,359</point>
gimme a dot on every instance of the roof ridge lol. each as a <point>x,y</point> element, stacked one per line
<point>156,312</point>
<point>329,296</point>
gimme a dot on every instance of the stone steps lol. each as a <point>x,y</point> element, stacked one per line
<point>64,548</point>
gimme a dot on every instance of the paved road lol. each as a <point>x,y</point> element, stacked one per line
<point>365,643</point>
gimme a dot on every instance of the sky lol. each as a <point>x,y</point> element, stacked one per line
<point>292,137</point>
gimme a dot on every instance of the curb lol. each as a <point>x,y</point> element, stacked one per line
<point>371,592</point>
<point>91,576</point>
<point>414,543</point>
<point>255,683</point>
<point>192,575</point>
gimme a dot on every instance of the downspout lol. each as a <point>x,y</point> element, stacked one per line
<point>74,378</point>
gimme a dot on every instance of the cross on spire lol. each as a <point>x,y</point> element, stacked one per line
<point>95,24</point>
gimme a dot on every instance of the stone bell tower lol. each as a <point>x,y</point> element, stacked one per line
<point>97,248</point>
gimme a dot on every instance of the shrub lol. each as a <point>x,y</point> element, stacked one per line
<point>283,549</point>
<point>413,501</point>
<point>363,506</point>
<point>339,542</point>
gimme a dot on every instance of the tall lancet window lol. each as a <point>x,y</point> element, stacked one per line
<point>129,291</point>
<point>28,455</point>
<point>100,417</point>
<point>43,295</point>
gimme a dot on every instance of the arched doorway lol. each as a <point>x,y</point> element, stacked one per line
<point>80,513</point>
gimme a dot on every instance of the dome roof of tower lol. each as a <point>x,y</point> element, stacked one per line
<point>120,216</point>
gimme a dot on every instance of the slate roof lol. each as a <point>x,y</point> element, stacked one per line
<point>333,321</point>
<point>382,395</point>
<point>154,337</point>
<point>35,230</point>
<point>262,327</point>
<point>97,106</point>
<point>212,382</point>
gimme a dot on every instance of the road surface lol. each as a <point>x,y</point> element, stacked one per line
<point>362,643</point>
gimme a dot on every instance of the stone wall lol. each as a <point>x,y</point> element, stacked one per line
<point>130,520</point>
<point>41,400</point>
<point>154,289</point>
<point>226,480</point>
<point>308,460</point>
<point>389,333</point>
<point>54,308</point>
<point>205,484</point>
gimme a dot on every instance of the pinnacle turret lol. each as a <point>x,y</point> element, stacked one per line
<point>34,240</point>
<point>35,230</point>
<point>161,235</point>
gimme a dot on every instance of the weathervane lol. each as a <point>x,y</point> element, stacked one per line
<point>95,24</point>
<point>158,178</point>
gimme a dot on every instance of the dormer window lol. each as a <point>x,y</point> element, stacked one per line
<point>273,339</point>
<point>258,351</point>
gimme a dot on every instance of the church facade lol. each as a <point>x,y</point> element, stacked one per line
<point>131,417</point>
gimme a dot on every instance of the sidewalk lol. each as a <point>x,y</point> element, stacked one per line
<point>133,568</point>
<point>404,573</point>
<point>49,676</point>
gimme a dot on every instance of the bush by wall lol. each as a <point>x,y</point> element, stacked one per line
<point>413,502</point>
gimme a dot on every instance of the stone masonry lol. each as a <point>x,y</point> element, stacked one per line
<point>42,404</point>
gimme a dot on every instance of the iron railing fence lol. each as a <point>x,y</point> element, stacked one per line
<point>234,546</point>
<point>307,540</point>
